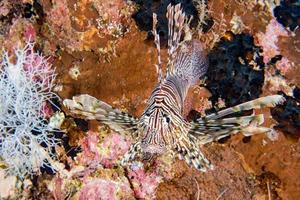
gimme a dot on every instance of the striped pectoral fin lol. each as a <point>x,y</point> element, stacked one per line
<point>214,130</point>
<point>251,130</point>
<point>93,109</point>
<point>132,153</point>
<point>268,101</point>
<point>193,156</point>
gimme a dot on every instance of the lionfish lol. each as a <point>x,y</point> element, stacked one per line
<point>162,128</point>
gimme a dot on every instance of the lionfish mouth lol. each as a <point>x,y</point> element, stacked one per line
<point>153,148</point>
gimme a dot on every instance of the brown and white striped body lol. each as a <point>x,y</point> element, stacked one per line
<point>161,128</point>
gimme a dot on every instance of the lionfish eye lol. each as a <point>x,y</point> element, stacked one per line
<point>146,118</point>
<point>166,118</point>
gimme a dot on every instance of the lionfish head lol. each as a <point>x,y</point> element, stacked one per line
<point>157,127</point>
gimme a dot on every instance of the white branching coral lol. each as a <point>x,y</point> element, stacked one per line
<point>26,142</point>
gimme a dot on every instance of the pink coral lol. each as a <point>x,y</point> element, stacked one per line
<point>269,39</point>
<point>113,148</point>
<point>104,189</point>
<point>30,33</point>
<point>98,188</point>
<point>90,153</point>
<point>144,183</point>
<point>47,110</point>
<point>5,7</point>
<point>106,153</point>
<point>20,29</point>
<point>36,62</point>
<point>284,65</point>
<point>61,27</point>
<point>44,73</point>
<point>57,193</point>
<point>59,9</point>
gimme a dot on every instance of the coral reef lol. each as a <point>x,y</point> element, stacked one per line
<point>98,48</point>
<point>106,152</point>
<point>144,183</point>
<point>77,31</point>
<point>106,189</point>
<point>268,40</point>
<point>26,141</point>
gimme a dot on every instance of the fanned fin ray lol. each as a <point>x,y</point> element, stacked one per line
<point>214,130</point>
<point>176,23</point>
<point>94,109</point>
<point>213,127</point>
<point>157,43</point>
<point>193,156</point>
<point>268,101</point>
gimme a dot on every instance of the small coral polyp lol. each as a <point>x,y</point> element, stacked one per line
<point>26,80</point>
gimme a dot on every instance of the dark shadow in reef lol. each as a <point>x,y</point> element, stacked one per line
<point>269,183</point>
<point>143,17</point>
<point>235,74</point>
<point>62,138</point>
<point>25,10</point>
<point>236,70</point>
<point>288,115</point>
<point>288,13</point>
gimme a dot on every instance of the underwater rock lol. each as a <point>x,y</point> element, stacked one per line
<point>7,185</point>
<point>288,13</point>
<point>288,114</point>
<point>269,183</point>
<point>143,16</point>
<point>106,189</point>
<point>230,174</point>
<point>236,70</point>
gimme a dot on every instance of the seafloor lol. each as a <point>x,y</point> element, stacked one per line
<point>104,49</point>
